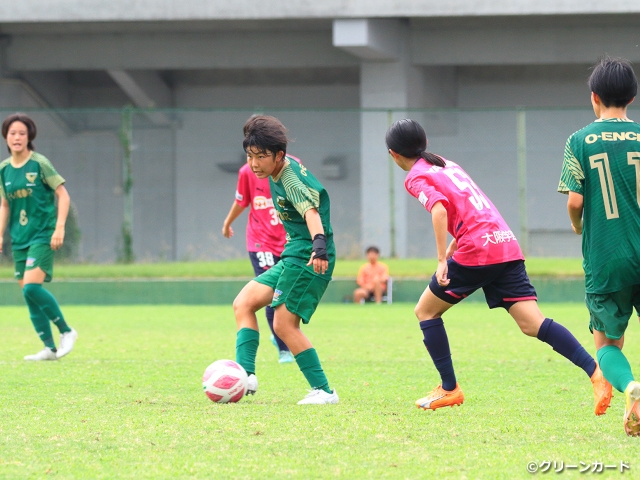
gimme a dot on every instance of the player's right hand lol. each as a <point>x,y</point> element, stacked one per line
<point>227,231</point>
<point>441,274</point>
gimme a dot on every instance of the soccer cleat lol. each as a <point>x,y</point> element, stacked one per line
<point>441,398</point>
<point>273,341</point>
<point>252,384</point>
<point>319,397</point>
<point>285,357</point>
<point>45,354</point>
<point>601,391</point>
<point>632,410</point>
<point>67,341</point>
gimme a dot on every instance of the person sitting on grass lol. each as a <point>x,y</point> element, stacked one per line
<point>294,285</point>
<point>372,278</point>
<point>484,253</point>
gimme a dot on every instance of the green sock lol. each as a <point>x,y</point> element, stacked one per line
<point>309,364</point>
<point>615,367</point>
<point>38,318</point>
<point>50,307</point>
<point>247,343</point>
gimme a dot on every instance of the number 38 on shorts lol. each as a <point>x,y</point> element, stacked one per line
<point>265,259</point>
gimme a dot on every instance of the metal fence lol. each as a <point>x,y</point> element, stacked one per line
<point>158,184</point>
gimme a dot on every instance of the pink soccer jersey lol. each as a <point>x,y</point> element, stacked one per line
<point>265,232</point>
<point>483,237</point>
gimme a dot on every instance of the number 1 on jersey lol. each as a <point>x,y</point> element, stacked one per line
<point>601,163</point>
<point>633,158</point>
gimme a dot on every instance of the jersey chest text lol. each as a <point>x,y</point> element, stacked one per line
<point>285,210</point>
<point>21,183</point>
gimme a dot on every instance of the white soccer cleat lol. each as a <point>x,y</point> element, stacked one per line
<point>67,341</point>
<point>45,354</point>
<point>319,397</point>
<point>252,384</point>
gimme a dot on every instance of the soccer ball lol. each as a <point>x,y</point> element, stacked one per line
<point>224,381</point>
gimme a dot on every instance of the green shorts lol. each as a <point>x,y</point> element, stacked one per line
<point>296,287</point>
<point>39,255</point>
<point>610,312</point>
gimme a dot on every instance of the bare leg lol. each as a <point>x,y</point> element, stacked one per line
<point>601,340</point>
<point>36,275</point>
<point>287,327</point>
<point>378,290</point>
<point>528,316</point>
<point>429,306</point>
<point>251,298</point>
<point>360,295</point>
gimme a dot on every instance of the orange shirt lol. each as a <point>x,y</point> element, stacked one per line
<point>369,274</point>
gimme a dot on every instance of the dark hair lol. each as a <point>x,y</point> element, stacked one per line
<point>265,133</point>
<point>407,138</point>
<point>613,80</point>
<point>20,117</point>
<point>372,249</point>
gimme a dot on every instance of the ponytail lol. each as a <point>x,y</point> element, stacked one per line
<point>407,138</point>
<point>432,158</point>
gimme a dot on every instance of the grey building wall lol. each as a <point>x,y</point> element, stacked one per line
<point>209,152</point>
<point>211,64</point>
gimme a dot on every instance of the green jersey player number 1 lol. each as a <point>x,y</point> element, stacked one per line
<point>602,163</point>
<point>601,175</point>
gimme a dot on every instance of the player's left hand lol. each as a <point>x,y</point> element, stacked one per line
<point>451,249</point>
<point>577,230</point>
<point>319,265</point>
<point>57,239</point>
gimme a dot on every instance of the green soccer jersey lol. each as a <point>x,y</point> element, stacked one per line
<point>602,163</point>
<point>30,191</point>
<point>295,191</point>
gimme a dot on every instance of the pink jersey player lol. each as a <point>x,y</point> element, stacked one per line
<point>482,235</point>
<point>265,232</point>
<point>484,254</point>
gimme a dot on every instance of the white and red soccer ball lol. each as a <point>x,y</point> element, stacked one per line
<point>224,381</point>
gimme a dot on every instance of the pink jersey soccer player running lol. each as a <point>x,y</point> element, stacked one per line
<point>481,234</point>
<point>484,254</point>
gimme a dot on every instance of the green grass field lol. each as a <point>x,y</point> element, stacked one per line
<point>412,267</point>
<point>128,402</point>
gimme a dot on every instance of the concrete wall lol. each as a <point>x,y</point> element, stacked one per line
<point>280,57</point>
<point>182,191</point>
<point>142,10</point>
<point>206,142</point>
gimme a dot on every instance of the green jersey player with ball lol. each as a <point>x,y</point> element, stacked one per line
<point>295,285</point>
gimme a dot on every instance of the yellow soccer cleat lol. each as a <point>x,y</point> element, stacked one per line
<point>632,410</point>
<point>601,391</point>
<point>441,398</point>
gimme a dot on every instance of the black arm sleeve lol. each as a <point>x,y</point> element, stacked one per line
<point>320,247</point>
